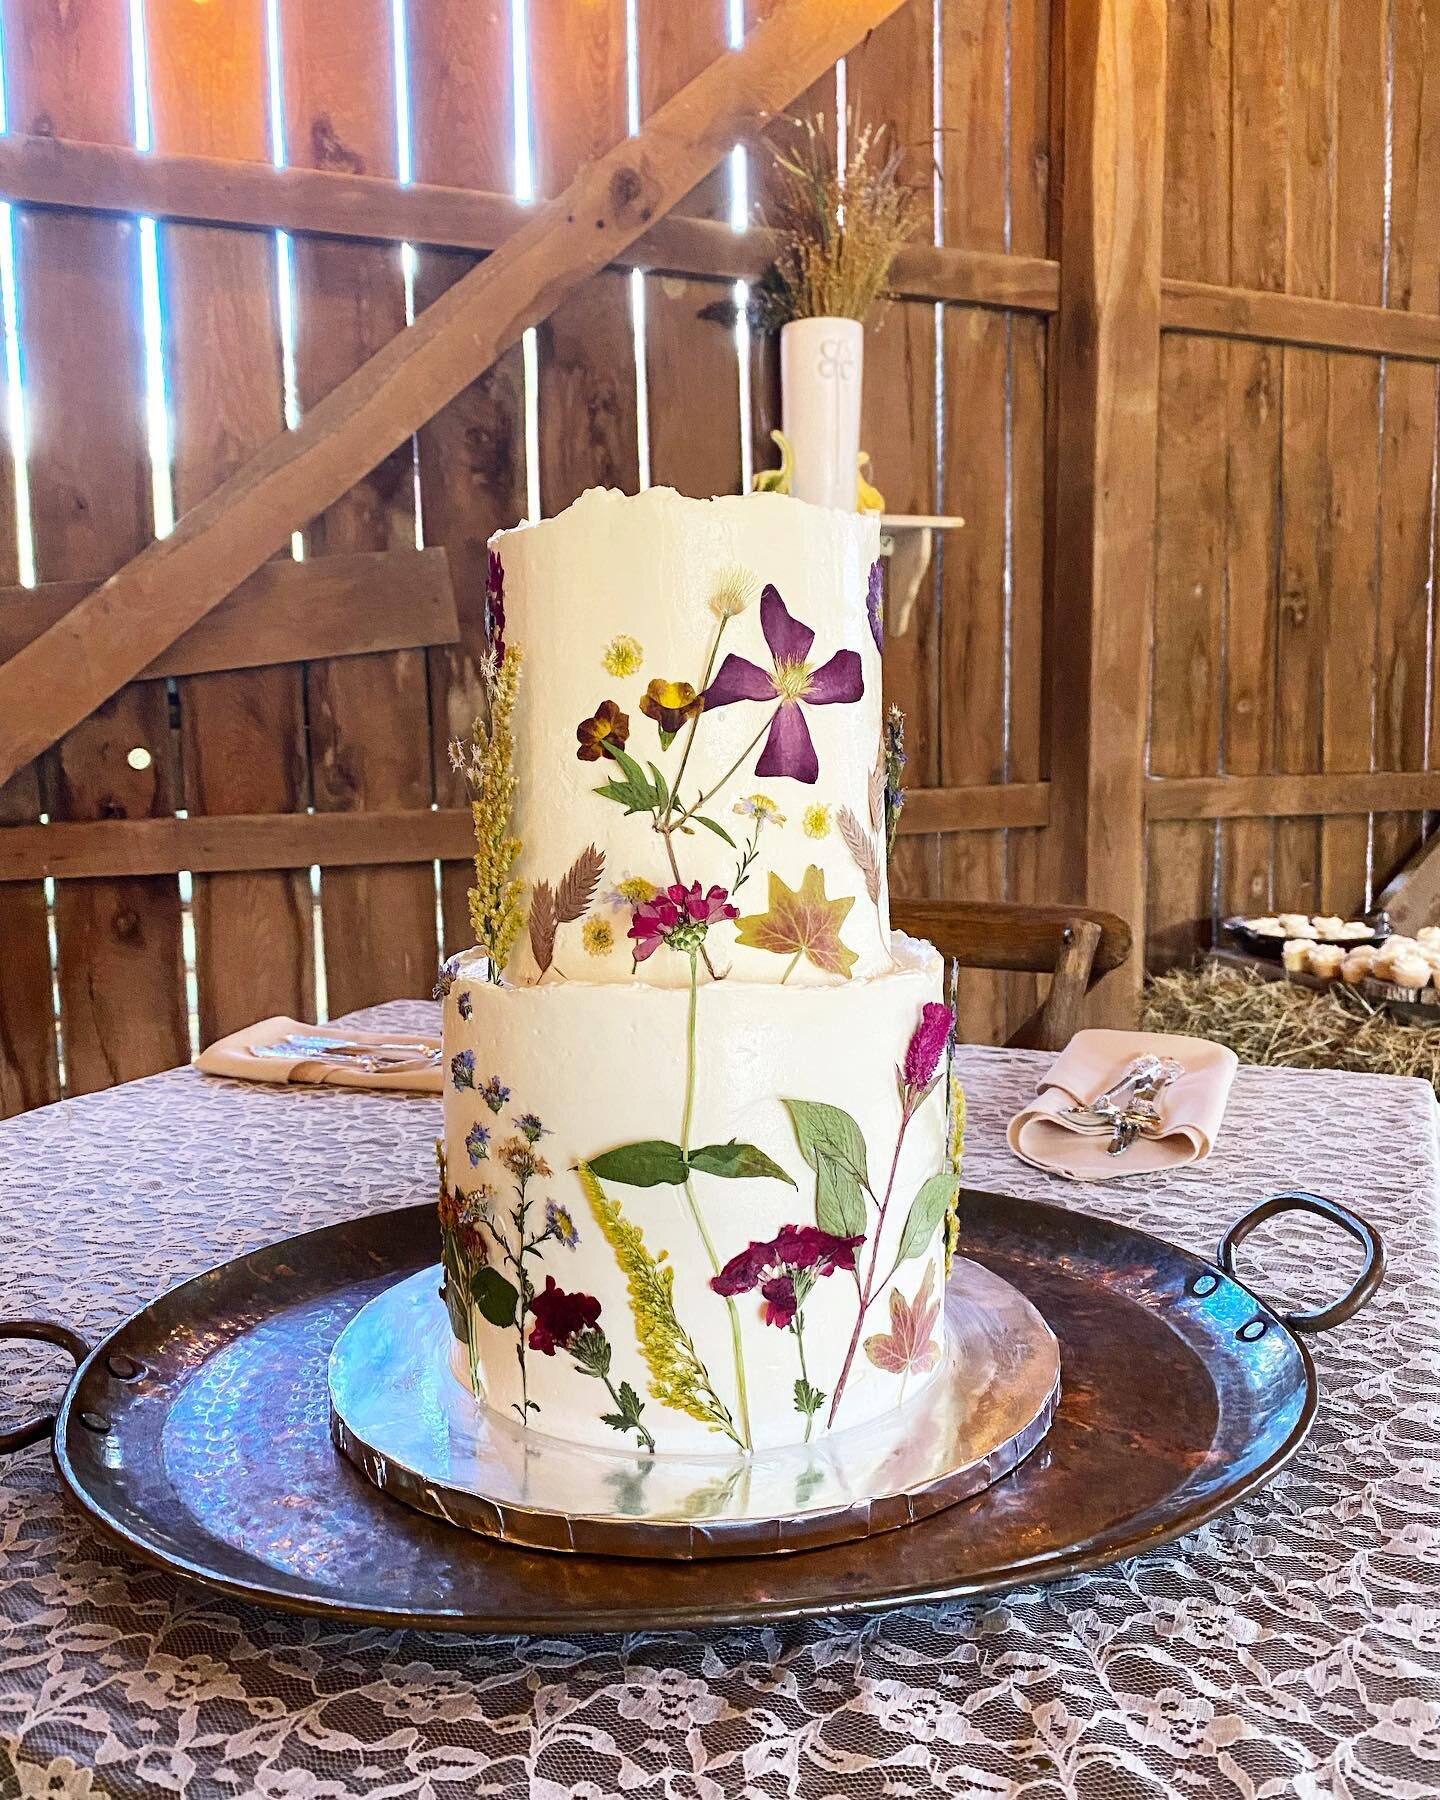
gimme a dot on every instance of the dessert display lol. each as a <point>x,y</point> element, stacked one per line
<point>698,1183</point>
<point>1398,961</point>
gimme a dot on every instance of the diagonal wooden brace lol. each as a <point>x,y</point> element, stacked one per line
<point>63,675</point>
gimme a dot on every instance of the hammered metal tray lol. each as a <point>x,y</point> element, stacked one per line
<point>196,1437</point>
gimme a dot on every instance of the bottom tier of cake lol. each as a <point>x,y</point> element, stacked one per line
<point>690,1220</point>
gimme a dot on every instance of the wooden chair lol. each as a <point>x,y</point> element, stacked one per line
<point>1073,945</point>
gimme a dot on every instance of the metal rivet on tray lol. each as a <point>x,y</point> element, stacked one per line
<point>96,1422</point>
<point>122,1367</point>
<point>1202,1285</point>
<point>1253,1330</point>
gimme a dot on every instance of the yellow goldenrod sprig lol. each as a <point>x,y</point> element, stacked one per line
<point>487,762</point>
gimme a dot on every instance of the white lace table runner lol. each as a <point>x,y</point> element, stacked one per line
<point>1289,1649</point>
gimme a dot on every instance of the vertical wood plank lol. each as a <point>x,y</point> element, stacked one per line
<point>1259,150</point>
<point>1107,341</point>
<point>29,1065</point>
<point>1306,543</point>
<point>587,398</point>
<point>1354,441</point>
<point>120,961</point>
<point>368,715</point>
<point>1190,508</point>
<point>973,714</point>
<point>689,334</point>
<point>1407,550</point>
<point>242,735</point>
<point>471,454</point>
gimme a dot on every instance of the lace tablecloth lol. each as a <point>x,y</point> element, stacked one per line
<point>1290,1648</point>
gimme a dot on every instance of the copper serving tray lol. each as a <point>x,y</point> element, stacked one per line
<point>196,1437</point>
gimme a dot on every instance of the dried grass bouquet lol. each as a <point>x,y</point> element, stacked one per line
<point>840,229</point>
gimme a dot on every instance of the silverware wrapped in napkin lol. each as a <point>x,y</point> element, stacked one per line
<point>1119,1103</point>
<point>285,1050</point>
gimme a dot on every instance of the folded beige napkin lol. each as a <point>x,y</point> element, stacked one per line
<point>1191,1108</point>
<point>234,1056</point>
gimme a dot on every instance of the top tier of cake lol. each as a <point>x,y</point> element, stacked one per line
<point>729,650</point>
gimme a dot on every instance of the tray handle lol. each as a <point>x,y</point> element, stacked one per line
<point>45,1331</point>
<point>1297,1200</point>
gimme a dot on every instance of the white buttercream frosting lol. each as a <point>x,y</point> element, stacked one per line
<point>598,1065</point>
<point>620,591</point>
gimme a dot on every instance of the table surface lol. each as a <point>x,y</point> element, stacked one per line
<point>1290,1648</point>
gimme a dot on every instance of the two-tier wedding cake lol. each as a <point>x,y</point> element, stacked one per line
<point>697,1189</point>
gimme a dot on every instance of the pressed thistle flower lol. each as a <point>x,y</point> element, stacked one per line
<point>678,1377</point>
<point>816,821</point>
<point>735,590</point>
<point>598,937</point>
<point>622,656</point>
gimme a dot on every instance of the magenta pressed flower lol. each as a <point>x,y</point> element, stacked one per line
<point>789,749</point>
<point>802,1251</point>
<point>560,1317</point>
<point>495,608</point>
<point>679,916</point>
<point>927,1044</point>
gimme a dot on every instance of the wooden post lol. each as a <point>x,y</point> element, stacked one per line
<point>1107,348</point>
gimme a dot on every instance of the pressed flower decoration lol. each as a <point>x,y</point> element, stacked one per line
<point>680,917</point>
<point>910,1345</point>
<point>816,821</point>
<point>572,1322</point>
<point>793,682</point>
<point>875,603</point>
<point>598,937</point>
<point>623,657</point>
<point>671,704</point>
<point>608,726</point>
<point>462,1069</point>
<point>763,811</point>
<point>801,921</point>
<point>785,1268</point>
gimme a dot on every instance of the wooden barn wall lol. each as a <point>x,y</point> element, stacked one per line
<point>1286,656</point>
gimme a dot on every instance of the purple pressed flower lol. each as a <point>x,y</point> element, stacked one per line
<point>874,601</point>
<point>477,1140</point>
<point>789,749</point>
<point>465,1005</point>
<point>495,608</point>
<point>680,916</point>
<point>530,1128</point>
<point>494,1093</point>
<point>462,1069</point>
<point>560,1225</point>
<point>927,1044</point>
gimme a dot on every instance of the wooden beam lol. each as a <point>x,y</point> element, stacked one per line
<point>1292,796</point>
<point>1020,804</point>
<point>53,172</point>
<point>285,612</point>
<point>1262,316</point>
<point>76,665</point>
<point>1107,350</point>
<point>230,841</point>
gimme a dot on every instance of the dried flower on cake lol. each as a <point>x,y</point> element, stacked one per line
<point>487,762</point>
<point>958,1111</point>
<point>680,917</point>
<point>572,1322</point>
<point>815,822</point>
<point>893,752</point>
<point>607,726</point>
<point>678,1377</point>
<point>494,1093</point>
<point>564,904</point>
<point>560,1225</point>
<point>477,1144</point>
<point>928,1043</point>
<point>445,978</point>
<point>623,657</point>
<point>801,921</point>
<point>875,603</point>
<point>671,704</point>
<point>858,842</point>
<point>734,592</point>
<point>789,749</point>
<point>465,1005</point>
<point>559,1316</point>
<point>462,1069</point>
<point>598,937</point>
<point>761,808</point>
<point>910,1344</point>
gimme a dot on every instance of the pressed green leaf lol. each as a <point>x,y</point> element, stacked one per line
<point>646,1164</point>
<point>710,825</point>
<point>497,1298</point>
<point>453,1294</point>
<point>662,792</point>
<point>808,1399</point>
<point>926,1211</point>
<point>828,1132</point>
<point>839,1200</point>
<point>737,1162</point>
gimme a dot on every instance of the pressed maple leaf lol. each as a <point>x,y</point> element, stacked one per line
<point>800,922</point>
<point>909,1345</point>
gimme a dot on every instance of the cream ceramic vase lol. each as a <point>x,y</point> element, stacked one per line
<point>821,370</point>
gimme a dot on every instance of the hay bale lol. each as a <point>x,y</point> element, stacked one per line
<point>1283,1024</point>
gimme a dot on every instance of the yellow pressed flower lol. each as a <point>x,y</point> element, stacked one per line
<point>635,890</point>
<point>623,656</point>
<point>957,1155</point>
<point>761,807</point>
<point>489,761</point>
<point>735,589</point>
<point>816,821</point>
<point>598,937</point>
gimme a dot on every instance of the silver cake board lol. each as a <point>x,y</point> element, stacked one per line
<point>400,1414</point>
